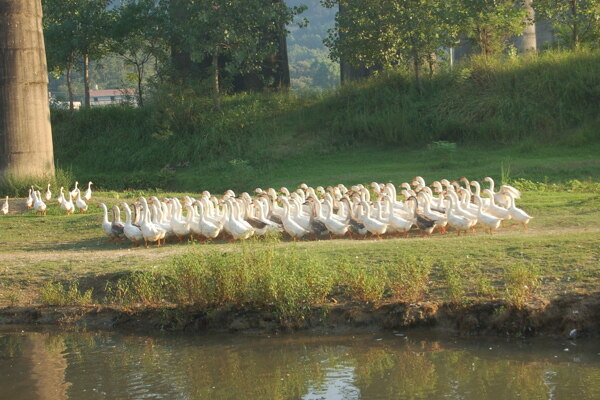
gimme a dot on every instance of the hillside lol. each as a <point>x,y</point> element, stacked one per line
<point>517,105</point>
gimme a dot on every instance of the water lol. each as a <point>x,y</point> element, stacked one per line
<point>409,365</point>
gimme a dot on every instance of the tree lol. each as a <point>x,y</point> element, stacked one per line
<point>529,38</point>
<point>235,35</point>
<point>92,22</point>
<point>138,37</point>
<point>77,28</point>
<point>61,49</point>
<point>25,133</point>
<point>576,21</point>
<point>490,23</point>
<point>390,33</point>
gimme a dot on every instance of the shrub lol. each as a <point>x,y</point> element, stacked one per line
<point>408,278</point>
<point>520,281</point>
<point>59,294</point>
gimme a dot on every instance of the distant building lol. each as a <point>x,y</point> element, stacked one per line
<point>105,97</point>
<point>64,105</point>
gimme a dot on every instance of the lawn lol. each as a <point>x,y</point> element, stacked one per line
<point>560,249</point>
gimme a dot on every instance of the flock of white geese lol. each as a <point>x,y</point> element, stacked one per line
<point>74,199</point>
<point>335,211</point>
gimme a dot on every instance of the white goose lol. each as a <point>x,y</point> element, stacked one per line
<point>88,193</point>
<point>396,223</point>
<point>38,205</point>
<point>106,225</point>
<point>501,198</point>
<point>290,225</point>
<point>180,226</point>
<point>61,196</point>
<point>488,221</point>
<point>81,204</point>
<point>373,225</point>
<point>29,201</point>
<point>493,209</point>
<point>517,214</point>
<point>132,232</point>
<point>210,229</point>
<point>75,190</point>
<point>441,220</point>
<point>48,194</point>
<point>67,205</point>
<point>5,206</point>
<point>456,221</point>
<point>150,231</point>
<point>238,229</point>
<point>334,225</point>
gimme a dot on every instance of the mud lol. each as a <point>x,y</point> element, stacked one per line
<point>567,316</point>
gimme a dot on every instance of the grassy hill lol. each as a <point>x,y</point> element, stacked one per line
<point>537,116</point>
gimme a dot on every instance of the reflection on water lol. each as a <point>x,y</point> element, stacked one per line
<point>101,365</point>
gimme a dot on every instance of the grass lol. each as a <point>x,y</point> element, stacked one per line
<point>507,108</point>
<point>65,260</point>
<point>530,122</point>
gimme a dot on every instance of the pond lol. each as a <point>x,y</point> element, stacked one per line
<point>52,364</point>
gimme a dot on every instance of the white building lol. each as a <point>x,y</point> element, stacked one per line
<point>105,97</point>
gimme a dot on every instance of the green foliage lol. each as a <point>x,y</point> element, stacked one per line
<point>408,278</point>
<point>571,186</point>
<point>59,294</point>
<point>138,36</point>
<point>145,287</point>
<point>20,187</point>
<point>456,280</point>
<point>521,281</point>
<point>389,33</point>
<point>235,36</point>
<point>575,21</point>
<point>490,23</point>
<point>363,282</point>
<point>286,283</point>
<point>551,98</point>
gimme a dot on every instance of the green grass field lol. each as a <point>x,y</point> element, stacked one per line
<point>529,121</point>
<point>559,253</point>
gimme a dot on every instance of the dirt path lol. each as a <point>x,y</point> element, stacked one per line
<point>72,253</point>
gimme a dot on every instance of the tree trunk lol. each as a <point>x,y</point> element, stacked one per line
<point>70,87</point>
<point>140,77</point>
<point>529,38</point>
<point>86,79</point>
<point>25,134</point>
<point>575,28</point>
<point>216,89</point>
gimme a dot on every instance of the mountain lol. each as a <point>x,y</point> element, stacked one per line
<point>310,66</point>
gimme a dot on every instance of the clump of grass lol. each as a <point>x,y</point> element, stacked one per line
<point>19,187</point>
<point>365,283</point>
<point>145,287</point>
<point>520,281</point>
<point>408,278</point>
<point>482,285</point>
<point>255,276</point>
<point>456,282</point>
<point>59,294</point>
<point>573,186</point>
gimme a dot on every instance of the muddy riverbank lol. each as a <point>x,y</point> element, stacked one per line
<point>566,316</point>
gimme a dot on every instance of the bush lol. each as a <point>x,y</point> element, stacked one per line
<point>59,294</point>
<point>549,98</point>
<point>521,281</point>
<point>408,278</point>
